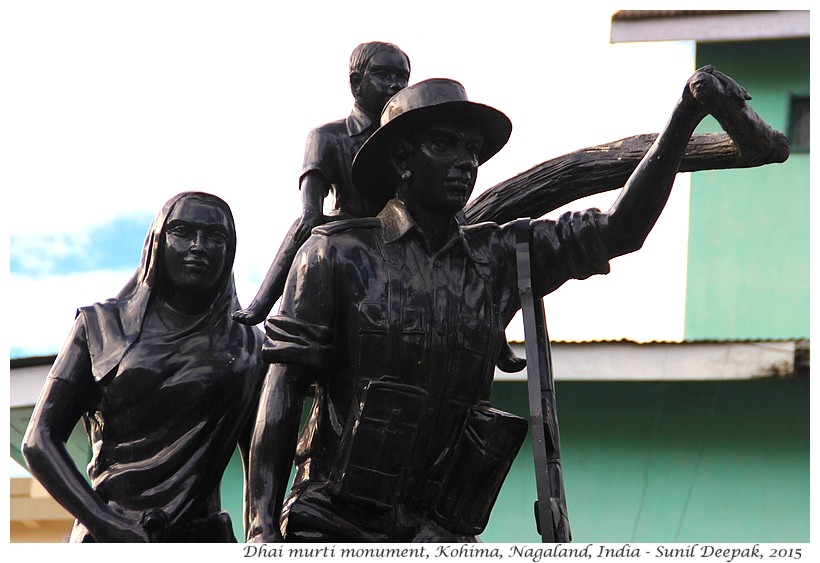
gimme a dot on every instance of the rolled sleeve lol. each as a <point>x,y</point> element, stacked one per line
<point>320,149</point>
<point>570,248</point>
<point>302,333</point>
<point>293,341</point>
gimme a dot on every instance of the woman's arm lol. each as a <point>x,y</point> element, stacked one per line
<point>67,394</point>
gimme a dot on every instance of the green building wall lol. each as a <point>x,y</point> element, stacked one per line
<point>748,264</point>
<point>711,461</point>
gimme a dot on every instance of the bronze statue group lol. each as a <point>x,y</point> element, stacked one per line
<point>391,320</point>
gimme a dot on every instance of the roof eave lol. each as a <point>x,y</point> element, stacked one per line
<point>710,27</point>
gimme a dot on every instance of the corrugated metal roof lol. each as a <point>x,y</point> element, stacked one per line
<point>48,360</point>
<point>666,342</point>
<point>651,14</point>
<point>32,361</point>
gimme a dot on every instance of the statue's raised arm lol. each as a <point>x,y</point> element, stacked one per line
<point>748,141</point>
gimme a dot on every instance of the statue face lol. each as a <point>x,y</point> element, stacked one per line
<point>386,74</point>
<point>444,165</point>
<point>196,245</point>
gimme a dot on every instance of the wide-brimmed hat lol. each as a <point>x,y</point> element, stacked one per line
<point>433,97</point>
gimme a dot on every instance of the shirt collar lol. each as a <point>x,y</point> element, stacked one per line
<point>358,122</point>
<point>397,222</point>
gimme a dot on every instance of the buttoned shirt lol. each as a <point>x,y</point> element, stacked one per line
<point>368,300</point>
<point>329,151</point>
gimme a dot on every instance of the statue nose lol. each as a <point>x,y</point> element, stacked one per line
<point>466,160</point>
<point>198,242</point>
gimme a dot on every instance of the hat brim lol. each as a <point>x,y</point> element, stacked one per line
<point>371,166</point>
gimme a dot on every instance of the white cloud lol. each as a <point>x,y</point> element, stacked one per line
<point>42,310</point>
<point>38,254</point>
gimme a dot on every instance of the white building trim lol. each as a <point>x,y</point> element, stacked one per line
<point>680,361</point>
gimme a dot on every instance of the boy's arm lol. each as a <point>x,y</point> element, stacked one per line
<point>314,188</point>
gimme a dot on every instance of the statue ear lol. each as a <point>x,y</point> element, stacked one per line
<point>355,82</point>
<point>400,152</point>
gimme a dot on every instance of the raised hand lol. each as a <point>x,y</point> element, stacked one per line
<point>718,94</point>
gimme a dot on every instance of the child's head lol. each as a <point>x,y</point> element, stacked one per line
<point>377,71</point>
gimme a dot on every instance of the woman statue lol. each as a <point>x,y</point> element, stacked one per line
<point>165,383</point>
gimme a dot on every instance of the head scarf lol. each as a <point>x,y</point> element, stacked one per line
<point>116,324</point>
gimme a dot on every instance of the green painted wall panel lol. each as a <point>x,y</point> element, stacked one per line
<point>770,70</point>
<point>748,264</point>
<point>662,462</point>
<point>232,490</point>
<point>748,268</point>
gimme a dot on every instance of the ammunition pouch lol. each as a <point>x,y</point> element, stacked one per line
<point>377,442</point>
<point>481,460</point>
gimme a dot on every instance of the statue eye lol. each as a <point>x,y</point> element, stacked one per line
<point>180,230</point>
<point>439,144</point>
<point>218,236</point>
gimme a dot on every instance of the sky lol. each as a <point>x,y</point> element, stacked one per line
<point>115,107</point>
